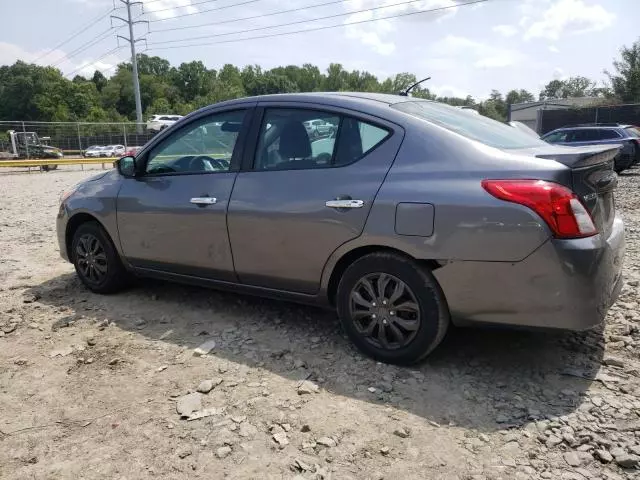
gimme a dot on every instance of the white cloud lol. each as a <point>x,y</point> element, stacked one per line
<point>447,91</point>
<point>505,30</point>
<point>480,55</point>
<point>568,17</point>
<point>553,49</point>
<point>376,34</point>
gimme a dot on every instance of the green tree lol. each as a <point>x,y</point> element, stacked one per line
<point>569,88</point>
<point>519,96</point>
<point>625,81</point>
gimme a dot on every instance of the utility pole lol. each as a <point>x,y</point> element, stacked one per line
<point>134,60</point>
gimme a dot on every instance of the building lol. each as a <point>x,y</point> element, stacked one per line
<point>530,113</point>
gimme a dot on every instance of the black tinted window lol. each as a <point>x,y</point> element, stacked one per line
<point>555,137</point>
<point>608,134</point>
<point>582,135</point>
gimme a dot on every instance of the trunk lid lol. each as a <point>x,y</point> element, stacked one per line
<point>592,177</point>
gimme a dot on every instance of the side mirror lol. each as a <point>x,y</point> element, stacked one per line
<point>126,166</point>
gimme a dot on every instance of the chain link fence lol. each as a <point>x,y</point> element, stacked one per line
<point>74,138</point>
<point>556,118</point>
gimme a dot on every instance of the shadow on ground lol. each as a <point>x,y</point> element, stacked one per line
<point>485,379</point>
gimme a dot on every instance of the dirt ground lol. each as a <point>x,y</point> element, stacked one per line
<point>89,384</point>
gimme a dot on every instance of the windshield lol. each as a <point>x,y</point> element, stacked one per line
<point>476,127</point>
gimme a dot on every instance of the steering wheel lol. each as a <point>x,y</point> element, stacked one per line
<point>199,164</point>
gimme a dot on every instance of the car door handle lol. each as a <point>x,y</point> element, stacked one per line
<point>204,200</point>
<point>345,203</point>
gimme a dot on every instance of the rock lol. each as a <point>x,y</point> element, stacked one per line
<point>184,453</point>
<point>204,348</point>
<point>384,451</point>
<point>613,361</point>
<point>91,341</point>
<point>578,459</point>
<point>302,466</point>
<point>402,432</point>
<point>603,456</point>
<point>61,352</point>
<point>205,386</point>
<point>307,387</point>
<point>502,418</point>
<point>326,442</point>
<point>161,368</point>
<point>247,430</point>
<point>386,387</point>
<point>1,334</point>
<point>627,460</point>
<point>223,452</point>
<point>305,428</point>
<point>281,439</point>
<point>308,445</point>
<point>30,298</point>
<point>635,449</point>
<point>299,364</point>
<point>372,389</point>
<point>238,418</point>
<point>315,339</point>
<point>552,441</point>
<point>11,327</point>
<point>188,404</point>
<point>206,412</point>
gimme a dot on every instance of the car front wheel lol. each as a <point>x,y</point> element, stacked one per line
<point>392,308</point>
<point>96,261</point>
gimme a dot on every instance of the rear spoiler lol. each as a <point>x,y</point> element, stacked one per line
<point>581,157</point>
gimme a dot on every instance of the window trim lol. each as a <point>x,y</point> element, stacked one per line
<point>236,156</point>
<point>250,156</point>
<point>618,136</point>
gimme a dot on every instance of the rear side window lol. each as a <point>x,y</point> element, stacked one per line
<point>287,142</point>
<point>582,135</point>
<point>633,131</point>
<point>475,127</point>
<point>608,134</point>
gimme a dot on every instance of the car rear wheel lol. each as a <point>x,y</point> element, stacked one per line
<point>96,260</point>
<point>392,308</point>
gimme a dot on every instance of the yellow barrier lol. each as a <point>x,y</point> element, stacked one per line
<point>59,162</point>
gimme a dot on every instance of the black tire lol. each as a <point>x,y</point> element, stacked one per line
<point>433,316</point>
<point>104,258</point>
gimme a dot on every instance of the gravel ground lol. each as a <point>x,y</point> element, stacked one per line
<point>91,386</point>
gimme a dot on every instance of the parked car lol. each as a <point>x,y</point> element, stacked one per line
<point>415,216</point>
<point>602,134</point>
<point>132,151</point>
<point>93,151</point>
<point>319,128</point>
<point>159,122</point>
<point>115,150</point>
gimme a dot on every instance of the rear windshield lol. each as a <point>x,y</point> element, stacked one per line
<point>475,127</point>
<point>633,131</point>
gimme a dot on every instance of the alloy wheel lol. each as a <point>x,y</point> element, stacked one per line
<point>384,311</point>
<point>91,258</point>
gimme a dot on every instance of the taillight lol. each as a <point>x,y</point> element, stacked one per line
<point>558,206</point>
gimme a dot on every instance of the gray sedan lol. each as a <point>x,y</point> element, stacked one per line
<point>414,215</point>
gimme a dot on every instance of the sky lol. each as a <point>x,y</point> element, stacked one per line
<point>467,48</point>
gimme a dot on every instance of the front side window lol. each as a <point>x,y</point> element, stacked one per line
<point>476,127</point>
<point>556,137</point>
<point>287,140</point>
<point>203,146</point>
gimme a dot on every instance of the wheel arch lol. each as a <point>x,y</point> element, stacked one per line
<point>74,223</point>
<point>356,253</point>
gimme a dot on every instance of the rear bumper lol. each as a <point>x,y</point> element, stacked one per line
<point>564,284</point>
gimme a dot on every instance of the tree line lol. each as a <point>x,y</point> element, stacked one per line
<point>37,93</point>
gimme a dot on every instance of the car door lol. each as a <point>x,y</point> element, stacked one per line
<point>172,216</point>
<point>297,199</point>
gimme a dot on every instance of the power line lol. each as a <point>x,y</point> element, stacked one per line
<point>200,12</point>
<point>291,10</point>
<point>113,50</point>
<point>326,27</point>
<point>91,24</point>
<point>288,24</point>
<point>180,6</point>
<point>97,39</point>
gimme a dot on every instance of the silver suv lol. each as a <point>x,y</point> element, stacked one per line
<point>412,216</point>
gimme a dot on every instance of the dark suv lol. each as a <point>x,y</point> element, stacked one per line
<point>601,134</point>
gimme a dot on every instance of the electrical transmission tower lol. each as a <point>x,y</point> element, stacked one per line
<point>134,60</point>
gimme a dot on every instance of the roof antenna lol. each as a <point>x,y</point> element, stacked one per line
<point>406,92</point>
